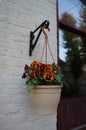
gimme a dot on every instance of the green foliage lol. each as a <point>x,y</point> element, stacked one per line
<point>66,17</point>
<point>42,74</point>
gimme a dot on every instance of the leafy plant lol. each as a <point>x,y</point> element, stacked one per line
<point>42,74</point>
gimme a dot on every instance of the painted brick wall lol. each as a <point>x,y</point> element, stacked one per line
<point>17,19</point>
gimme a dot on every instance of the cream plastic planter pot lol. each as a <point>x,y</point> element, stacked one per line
<point>45,99</point>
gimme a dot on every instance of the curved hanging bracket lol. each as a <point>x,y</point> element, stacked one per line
<point>32,36</point>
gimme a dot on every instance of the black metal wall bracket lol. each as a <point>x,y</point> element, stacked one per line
<point>32,36</point>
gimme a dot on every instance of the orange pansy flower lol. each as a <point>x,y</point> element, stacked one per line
<point>35,64</point>
<point>48,76</point>
<point>48,67</point>
<point>36,74</point>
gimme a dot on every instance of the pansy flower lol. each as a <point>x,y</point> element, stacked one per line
<point>48,76</point>
<point>30,74</point>
<point>26,67</point>
<point>42,67</point>
<point>48,67</point>
<point>36,74</point>
<point>24,75</point>
<point>35,65</point>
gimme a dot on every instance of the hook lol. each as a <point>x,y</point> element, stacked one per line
<point>32,45</point>
<point>45,34</point>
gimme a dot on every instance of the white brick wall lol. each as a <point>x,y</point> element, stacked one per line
<point>17,19</point>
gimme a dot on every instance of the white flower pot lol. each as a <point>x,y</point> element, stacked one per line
<point>46,98</point>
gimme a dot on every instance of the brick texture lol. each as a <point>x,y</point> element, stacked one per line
<point>17,19</point>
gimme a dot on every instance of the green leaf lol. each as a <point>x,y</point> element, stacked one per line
<point>27,80</point>
<point>30,87</point>
<point>35,81</point>
<point>58,78</point>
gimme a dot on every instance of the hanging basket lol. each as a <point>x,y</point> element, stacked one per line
<point>45,99</point>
